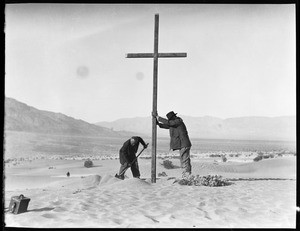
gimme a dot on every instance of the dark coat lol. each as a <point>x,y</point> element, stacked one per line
<point>178,132</point>
<point>127,152</point>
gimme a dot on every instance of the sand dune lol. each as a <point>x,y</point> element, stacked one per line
<point>94,198</point>
<point>275,168</point>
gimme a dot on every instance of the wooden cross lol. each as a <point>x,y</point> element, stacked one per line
<point>155,55</point>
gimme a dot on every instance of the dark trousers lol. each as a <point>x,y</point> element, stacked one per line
<point>134,169</point>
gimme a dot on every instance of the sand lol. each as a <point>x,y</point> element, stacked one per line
<point>262,195</point>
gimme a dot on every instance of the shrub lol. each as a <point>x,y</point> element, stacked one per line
<point>258,158</point>
<point>214,155</point>
<point>224,159</point>
<point>211,181</point>
<point>88,163</point>
<point>168,164</point>
<point>162,174</point>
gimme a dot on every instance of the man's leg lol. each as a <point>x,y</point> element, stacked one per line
<point>135,170</point>
<point>185,161</point>
<point>180,158</point>
<point>123,166</point>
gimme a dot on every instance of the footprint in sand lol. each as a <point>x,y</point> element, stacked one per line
<point>242,212</point>
<point>221,211</point>
<point>93,215</point>
<point>165,193</point>
<point>202,203</point>
<point>117,221</point>
<point>84,207</point>
<point>206,215</point>
<point>152,218</point>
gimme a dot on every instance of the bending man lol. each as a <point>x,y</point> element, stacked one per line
<point>127,155</point>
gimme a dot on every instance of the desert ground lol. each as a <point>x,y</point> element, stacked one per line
<point>261,194</point>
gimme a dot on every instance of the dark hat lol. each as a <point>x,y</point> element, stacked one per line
<point>171,114</point>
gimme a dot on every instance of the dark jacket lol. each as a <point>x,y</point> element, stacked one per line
<point>127,152</point>
<point>178,132</point>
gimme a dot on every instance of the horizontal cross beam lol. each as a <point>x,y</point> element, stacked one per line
<point>160,55</point>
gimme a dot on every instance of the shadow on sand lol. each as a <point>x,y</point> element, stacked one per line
<point>41,209</point>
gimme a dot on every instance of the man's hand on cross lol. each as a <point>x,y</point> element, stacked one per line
<point>157,123</point>
<point>154,114</point>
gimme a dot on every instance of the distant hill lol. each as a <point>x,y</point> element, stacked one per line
<point>242,128</point>
<point>24,118</point>
<point>21,117</point>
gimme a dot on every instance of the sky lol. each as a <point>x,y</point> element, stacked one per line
<point>70,58</point>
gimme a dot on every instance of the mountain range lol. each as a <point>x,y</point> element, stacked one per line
<point>22,117</point>
<point>207,127</point>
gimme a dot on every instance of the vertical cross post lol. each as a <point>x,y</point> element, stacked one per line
<point>155,55</point>
<point>154,106</point>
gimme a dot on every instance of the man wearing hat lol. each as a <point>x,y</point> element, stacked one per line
<point>179,139</point>
<point>127,155</point>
